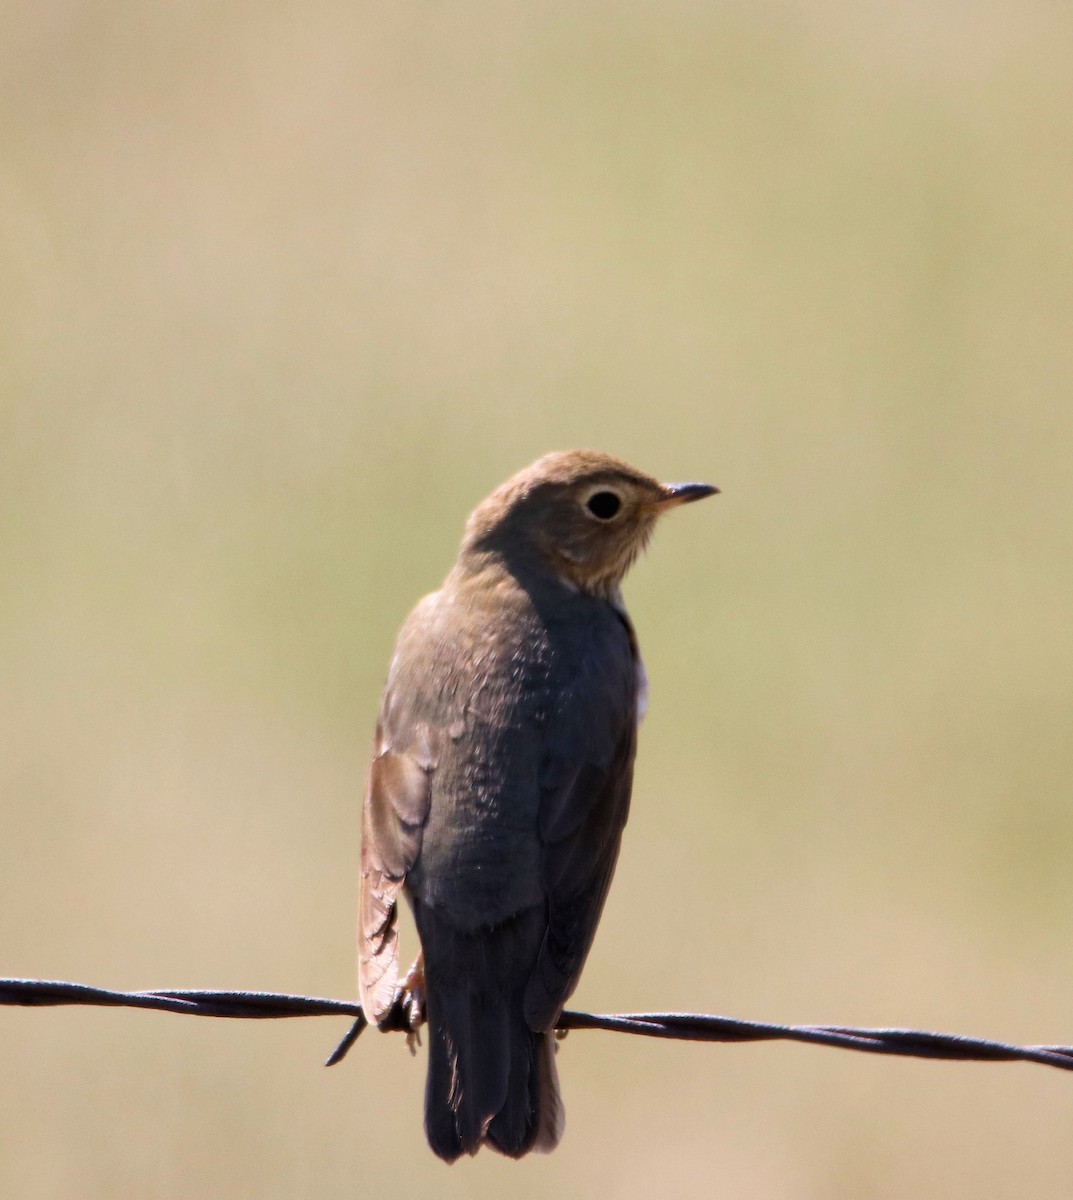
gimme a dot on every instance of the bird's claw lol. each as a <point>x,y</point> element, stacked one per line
<point>411,1002</point>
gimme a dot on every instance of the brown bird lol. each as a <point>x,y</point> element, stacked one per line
<point>499,787</point>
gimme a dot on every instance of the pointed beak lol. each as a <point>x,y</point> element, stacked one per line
<point>682,493</point>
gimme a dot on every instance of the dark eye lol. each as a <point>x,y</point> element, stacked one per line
<point>603,505</point>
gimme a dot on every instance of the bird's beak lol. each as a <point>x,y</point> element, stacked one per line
<point>682,493</point>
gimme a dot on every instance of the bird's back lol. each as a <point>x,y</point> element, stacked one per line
<point>506,688</point>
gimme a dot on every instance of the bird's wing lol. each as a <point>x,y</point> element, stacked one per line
<point>585,797</point>
<point>393,816</point>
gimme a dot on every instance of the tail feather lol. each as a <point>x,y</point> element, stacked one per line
<point>513,1129</point>
<point>491,1079</point>
<point>550,1110</point>
<point>532,1118</point>
<point>468,1071</point>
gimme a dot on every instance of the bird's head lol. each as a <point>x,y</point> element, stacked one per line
<point>582,514</point>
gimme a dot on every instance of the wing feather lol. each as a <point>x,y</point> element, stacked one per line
<point>586,782</point>
<point>396,807</point>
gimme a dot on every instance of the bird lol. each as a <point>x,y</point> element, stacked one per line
<point>499,787</point>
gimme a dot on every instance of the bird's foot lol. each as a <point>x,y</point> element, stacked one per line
<point>411,1001</point>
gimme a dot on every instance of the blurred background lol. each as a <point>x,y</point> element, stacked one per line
<point>285,289</point>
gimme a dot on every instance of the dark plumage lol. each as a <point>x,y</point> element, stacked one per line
<point>499,787</point>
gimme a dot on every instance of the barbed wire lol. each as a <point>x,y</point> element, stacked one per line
<point>694,1027</point>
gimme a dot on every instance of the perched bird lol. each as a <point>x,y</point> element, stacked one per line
<point>499,787</point>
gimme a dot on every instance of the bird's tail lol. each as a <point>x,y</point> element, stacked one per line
<point>491,1079</point>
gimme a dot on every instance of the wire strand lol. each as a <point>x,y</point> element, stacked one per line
<point>694,1027</point>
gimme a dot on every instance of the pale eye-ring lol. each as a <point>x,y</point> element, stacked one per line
<point>604,504</point>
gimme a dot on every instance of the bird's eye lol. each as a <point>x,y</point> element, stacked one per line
<point>603,505</point>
